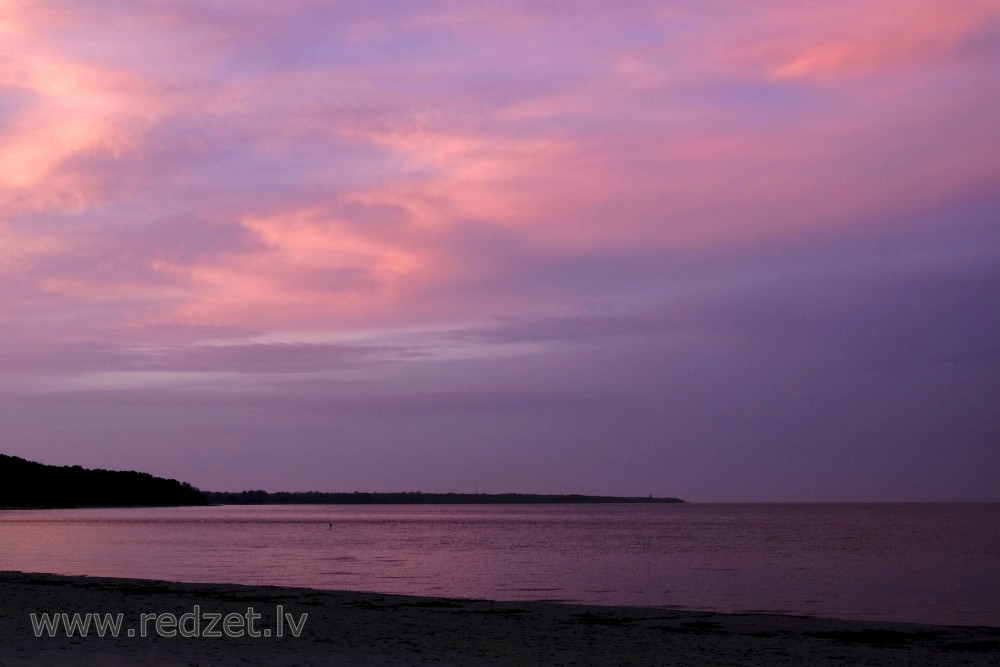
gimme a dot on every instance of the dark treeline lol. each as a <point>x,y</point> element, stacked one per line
<point>29,484</point>
<point>411,498</point>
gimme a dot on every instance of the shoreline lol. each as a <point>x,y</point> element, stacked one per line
<point>355,628</point>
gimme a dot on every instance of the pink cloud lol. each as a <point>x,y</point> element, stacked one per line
<point>826,41</point>
<point>348,169</point>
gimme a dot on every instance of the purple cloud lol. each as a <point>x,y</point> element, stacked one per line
<point>716,251</point>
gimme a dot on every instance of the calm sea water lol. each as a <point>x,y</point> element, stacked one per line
<point>922,563</point>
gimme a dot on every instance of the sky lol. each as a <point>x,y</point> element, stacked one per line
<point>717,250</point>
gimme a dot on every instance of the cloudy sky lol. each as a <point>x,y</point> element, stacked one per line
<point>710,249</point>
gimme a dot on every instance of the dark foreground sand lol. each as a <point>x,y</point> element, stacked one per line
<point>345,628</point>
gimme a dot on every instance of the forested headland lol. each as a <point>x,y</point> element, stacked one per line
<point>26,483</point>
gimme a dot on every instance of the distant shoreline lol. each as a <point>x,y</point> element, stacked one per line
<point>356,628</point>
<point>33,485</point>
<point>419,498</point>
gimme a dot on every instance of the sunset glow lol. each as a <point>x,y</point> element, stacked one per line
<point>710,250</point>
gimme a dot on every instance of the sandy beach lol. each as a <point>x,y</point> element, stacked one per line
<point>351,628</point>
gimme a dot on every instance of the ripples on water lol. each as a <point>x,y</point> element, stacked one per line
<point>922,563</point>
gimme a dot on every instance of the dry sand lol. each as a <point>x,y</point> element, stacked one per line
<point>358,629</point>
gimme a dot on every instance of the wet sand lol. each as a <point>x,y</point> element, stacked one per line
<point>360,629</point>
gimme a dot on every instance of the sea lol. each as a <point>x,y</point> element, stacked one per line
<point>925,563</point>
